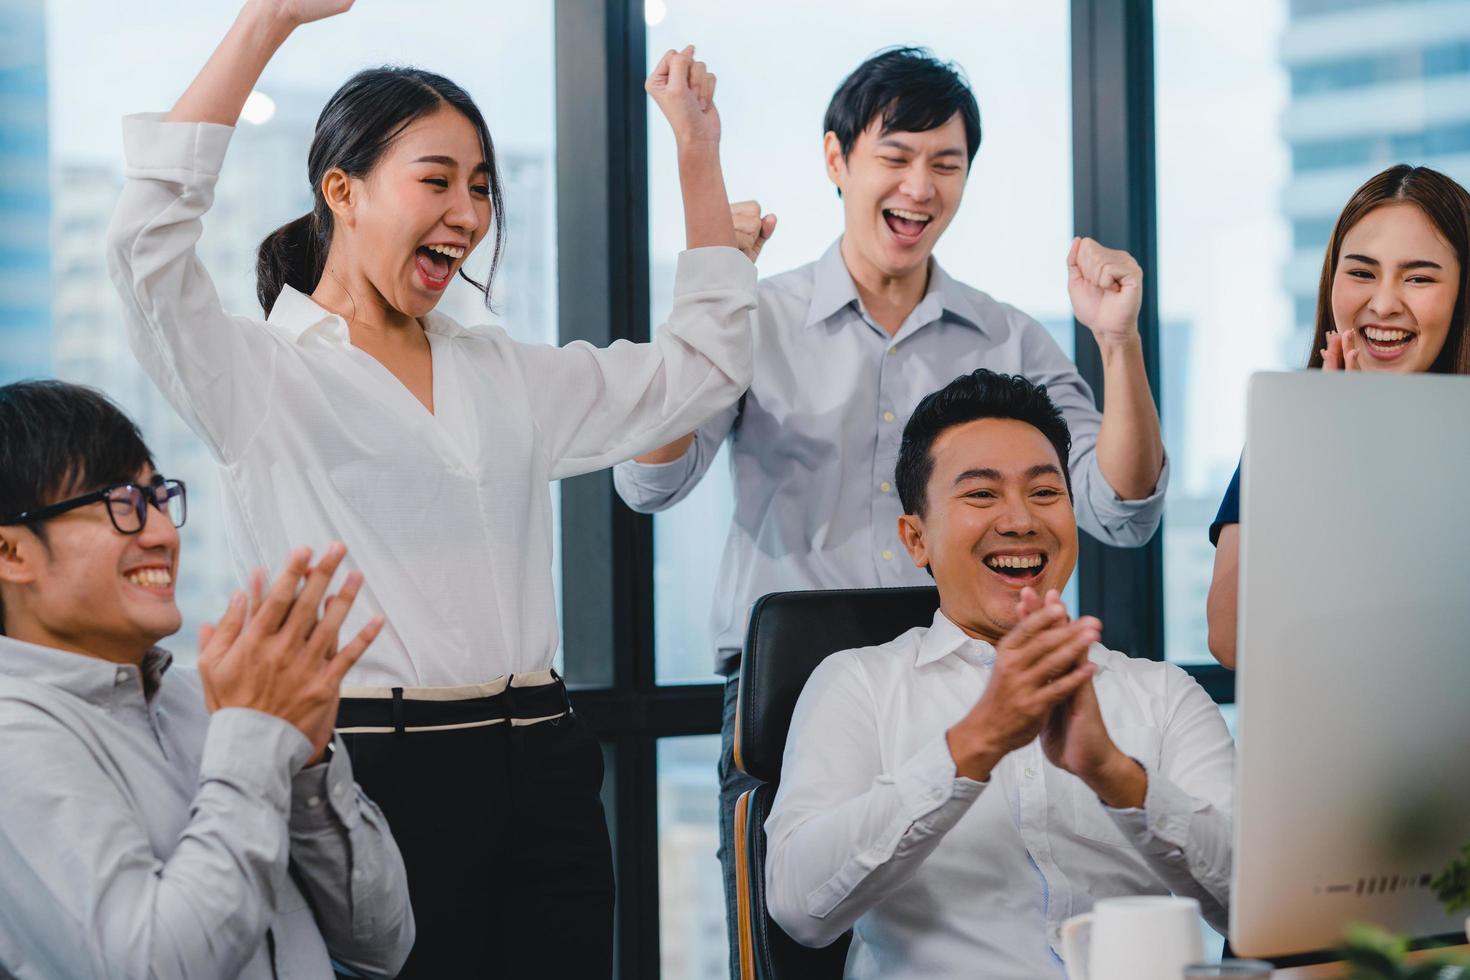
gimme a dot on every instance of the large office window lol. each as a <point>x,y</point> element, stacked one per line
<point>1269,114</point>
<point>103,60</point>
<point>1010,238</point>
<point>691,894</point>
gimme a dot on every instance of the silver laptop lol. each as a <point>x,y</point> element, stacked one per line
<point>1354,657</point>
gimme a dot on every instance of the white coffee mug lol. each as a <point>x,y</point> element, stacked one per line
<point>1142,937</point>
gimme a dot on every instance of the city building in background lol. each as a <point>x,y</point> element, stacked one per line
<point>25,203</point>
<point>1373,83</point>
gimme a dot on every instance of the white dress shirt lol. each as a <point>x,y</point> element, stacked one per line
<point>142,836</point>
<point>814,442</point>
<point>448,515</point>
<point>942,876</point>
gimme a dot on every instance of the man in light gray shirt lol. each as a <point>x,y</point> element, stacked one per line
<point>159,822</point>
<point>846,346</point>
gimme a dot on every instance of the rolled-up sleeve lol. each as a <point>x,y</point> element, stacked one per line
<point>215,369</point>
<point>1183,829</point>
<point>349,866</point>
<point>1100,511</point>
<point>597,406</point>
<point>651,487</point>
<point>71,846</point>
<point>842,835</point>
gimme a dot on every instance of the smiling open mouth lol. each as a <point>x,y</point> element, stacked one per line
<point>1386,340</point>
<point>906,224</point>
<point>436,263</point>
<point>154,579</point>
<point>1018,568</point>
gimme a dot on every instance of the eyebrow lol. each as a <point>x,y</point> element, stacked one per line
<point>898,144</point>
<point>986,473</point>
<point>443,161</point>
<point>1415,264</point>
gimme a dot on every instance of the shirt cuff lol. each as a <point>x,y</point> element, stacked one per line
<point>1127,508</point>
<point>153,147</point>
<point>325,789</point>
<point>656,479</point>
<point>931,791</point>
<point>255,752</point>
<point>1164,816</point>
<point>713,267</point>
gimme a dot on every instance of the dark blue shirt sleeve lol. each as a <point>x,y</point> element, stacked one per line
<point>1229,512</point>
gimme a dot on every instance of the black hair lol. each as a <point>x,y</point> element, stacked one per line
<point>911,89</point>
<point>58,440</point>
<point>981,394</point>
<point>356,126</point>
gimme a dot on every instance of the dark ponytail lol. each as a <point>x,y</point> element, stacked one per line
<point>292,255</point>
<point>356,126</point>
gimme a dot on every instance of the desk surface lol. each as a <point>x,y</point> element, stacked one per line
<point>1336,971</point>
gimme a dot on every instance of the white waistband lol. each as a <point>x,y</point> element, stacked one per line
<point>466,692</point>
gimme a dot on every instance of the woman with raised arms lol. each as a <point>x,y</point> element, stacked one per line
<point>355,413</point>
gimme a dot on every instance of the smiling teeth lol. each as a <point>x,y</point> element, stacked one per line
<point>1014,561</point>
<point>909,215</point>
<point>453,251</point>
<point>1386,336</point>
<point>150,576</point>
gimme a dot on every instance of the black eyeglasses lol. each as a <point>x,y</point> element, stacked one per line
<point>127,504</point>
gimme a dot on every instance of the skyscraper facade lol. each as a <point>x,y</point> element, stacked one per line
<point>1373,83</point>
<point>25,203</point>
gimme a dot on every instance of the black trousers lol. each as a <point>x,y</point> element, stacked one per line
<point>505,842</point>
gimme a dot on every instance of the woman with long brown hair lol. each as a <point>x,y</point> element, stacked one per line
<point>1395,297</point>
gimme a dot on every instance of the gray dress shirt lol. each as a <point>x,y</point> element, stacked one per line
<point>141,836</point>
<point>814,441</point>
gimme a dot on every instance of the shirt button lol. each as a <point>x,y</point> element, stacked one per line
<point>893,349</point>
<point>338,790</point>
<point>885,486</point>
<point>313,801</point>
<point>122,677</point>
<point>1030,773</point>
<point>889,416</point>
<point>887,555</point>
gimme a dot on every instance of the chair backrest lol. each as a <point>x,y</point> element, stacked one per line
<point>789,634</point>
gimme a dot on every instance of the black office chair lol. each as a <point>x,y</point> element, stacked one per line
<point>790,633</point>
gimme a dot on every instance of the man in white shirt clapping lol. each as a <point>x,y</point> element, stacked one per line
<point>955,794</point>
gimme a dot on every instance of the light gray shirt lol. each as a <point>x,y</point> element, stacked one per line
<point>814,441</point>
<point>142,836</point>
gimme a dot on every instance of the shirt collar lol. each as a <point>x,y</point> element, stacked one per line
<point>92,679</point>
<point>833,290</point>
<point>299,315</point>
<point>944,638</point>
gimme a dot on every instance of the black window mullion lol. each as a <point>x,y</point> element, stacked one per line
<point>1113,201</point>
<point>607,550</point>
<point>602,265</point>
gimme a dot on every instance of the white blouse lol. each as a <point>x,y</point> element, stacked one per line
<point>447,515</point>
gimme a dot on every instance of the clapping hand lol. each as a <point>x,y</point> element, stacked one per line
<point>1341,352</point>
<point>1038,665</point>
<point>273,652</point>
<point>1075,739</point>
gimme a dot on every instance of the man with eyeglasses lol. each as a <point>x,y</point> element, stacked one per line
<point>163,822</point>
